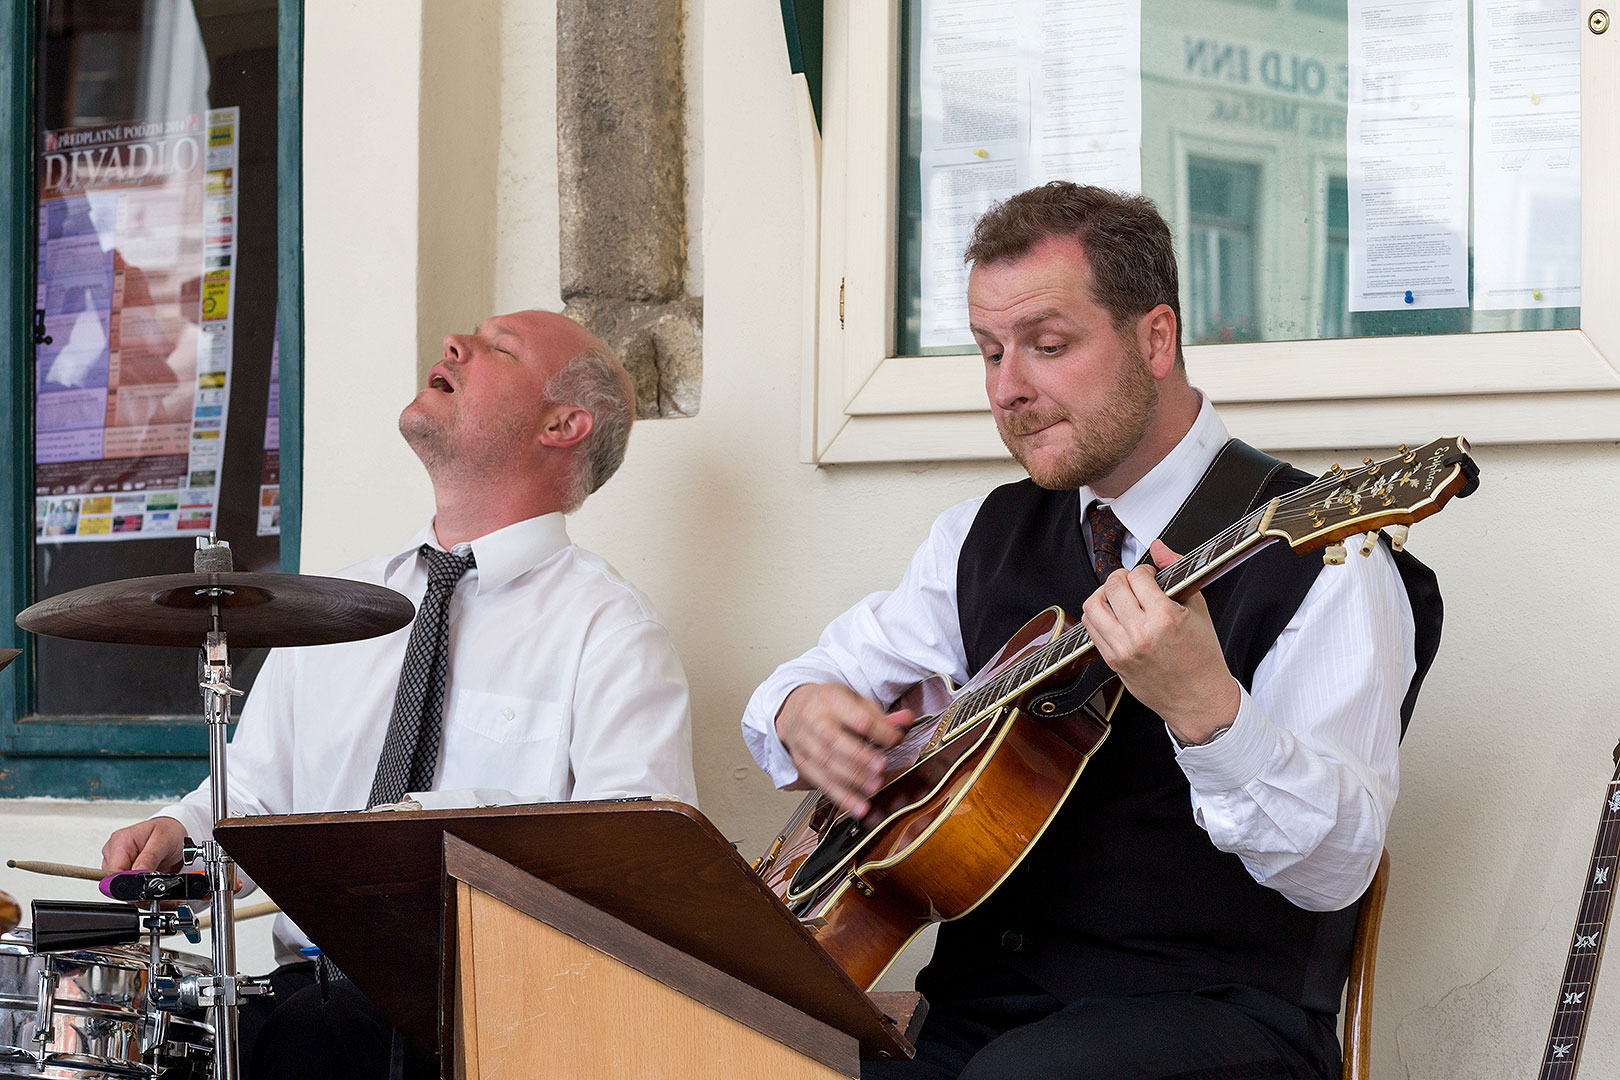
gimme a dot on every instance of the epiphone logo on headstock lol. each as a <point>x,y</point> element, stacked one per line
<point>1437,461</point>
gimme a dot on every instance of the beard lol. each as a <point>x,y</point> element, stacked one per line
<point>457,445</point>
<point>1101,441</point>
<point>426,436</point>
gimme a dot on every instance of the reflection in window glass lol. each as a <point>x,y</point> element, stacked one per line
<point>1336,259</point>
<point>1220,251</point>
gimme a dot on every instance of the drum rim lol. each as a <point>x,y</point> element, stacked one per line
<point>20,941</point>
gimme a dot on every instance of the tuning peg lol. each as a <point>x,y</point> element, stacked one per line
<point>1397,536</point>
<point>1369,543</point>
<point>1333,555</point>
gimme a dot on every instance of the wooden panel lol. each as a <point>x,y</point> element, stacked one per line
<point>466,1002</point>
<point>557,1007</point>
<point>646,954</point>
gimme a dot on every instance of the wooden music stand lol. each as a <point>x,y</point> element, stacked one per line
<point>637,902</point>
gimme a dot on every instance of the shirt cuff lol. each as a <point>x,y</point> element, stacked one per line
<point>197,822</point>
<point>1235,758</point>
<point>759,728</point>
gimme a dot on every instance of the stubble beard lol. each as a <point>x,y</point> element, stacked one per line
<point>1100,443</point>
<point>452,448</point>
<point>427,438</point>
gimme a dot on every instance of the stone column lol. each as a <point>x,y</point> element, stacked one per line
<point>621,170</point>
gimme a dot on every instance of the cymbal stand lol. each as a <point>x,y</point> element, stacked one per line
<point>223,991</point>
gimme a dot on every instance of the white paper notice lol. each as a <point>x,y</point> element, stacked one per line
<point>1015,94</point>
<point>1407,154</point>
<point>1086,98</point>
<point>1527,146</point>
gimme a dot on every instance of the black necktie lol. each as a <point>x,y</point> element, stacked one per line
<point>1107,538</point>
<point>410,753</point>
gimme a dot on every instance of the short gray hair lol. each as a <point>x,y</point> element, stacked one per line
<point>594,381</point>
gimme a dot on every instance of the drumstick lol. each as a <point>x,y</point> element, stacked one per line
<point>246,911</point>
<point>56,869</point>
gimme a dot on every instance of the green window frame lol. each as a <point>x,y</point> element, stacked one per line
<point>100,757</point>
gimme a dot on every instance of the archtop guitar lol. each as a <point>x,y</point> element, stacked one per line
<point>977,779</point>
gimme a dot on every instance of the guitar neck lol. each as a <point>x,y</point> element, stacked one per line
<point>1395,492</point>
<point>1072,647</point>
<point>1563,1053</point>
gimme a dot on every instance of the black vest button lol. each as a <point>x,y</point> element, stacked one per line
<point>1012,941</point>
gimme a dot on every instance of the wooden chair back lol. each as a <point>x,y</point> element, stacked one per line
<point>1358,991</point>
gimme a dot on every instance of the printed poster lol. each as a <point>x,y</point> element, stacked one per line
<point>270,472</point>
<point>137,257</point>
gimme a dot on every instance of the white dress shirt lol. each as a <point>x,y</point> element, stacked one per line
<point>1300,788</point>
<point>563,684</point>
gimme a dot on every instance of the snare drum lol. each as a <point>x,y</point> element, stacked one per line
<point>96,1001</point>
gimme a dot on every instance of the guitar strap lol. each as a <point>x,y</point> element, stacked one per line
<point>1228,490</point>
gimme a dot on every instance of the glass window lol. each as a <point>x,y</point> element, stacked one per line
<point>155,128</point>
<point>1244,111</point>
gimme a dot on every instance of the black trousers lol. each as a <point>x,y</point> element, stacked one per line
<point>314,1031</point>
<point>1021,1033</point>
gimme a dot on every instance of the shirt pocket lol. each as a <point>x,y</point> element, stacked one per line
<point>508,719</point>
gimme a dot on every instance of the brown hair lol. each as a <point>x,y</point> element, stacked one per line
<point>1125,242</point>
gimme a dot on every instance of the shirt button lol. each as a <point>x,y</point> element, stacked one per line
<point>1012,941</point>
<point>508,713</point>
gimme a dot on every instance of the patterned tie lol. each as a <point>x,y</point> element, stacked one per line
<point>1107,538</point>
<point>410,752</point>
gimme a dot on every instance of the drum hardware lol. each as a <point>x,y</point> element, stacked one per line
<point>66,925</point>
<point>85,1014</point>
<point>265,610</point>
<point>45,1011</point>
<point>140,887</point>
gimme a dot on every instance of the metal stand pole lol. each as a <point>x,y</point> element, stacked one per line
<point>222,992</point>
<point>217,691</point>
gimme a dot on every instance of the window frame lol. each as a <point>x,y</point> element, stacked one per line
<point>864,403</point>
<point>134,757</point>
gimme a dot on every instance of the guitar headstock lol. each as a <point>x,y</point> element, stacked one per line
<point>1389,494</point>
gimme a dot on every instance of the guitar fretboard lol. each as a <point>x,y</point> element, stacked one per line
<point>1217,554</point>
<point>1398,490</point>
<point>1563,1053</point>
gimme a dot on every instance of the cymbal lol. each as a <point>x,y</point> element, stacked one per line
<point>256,610</point>
<point>10,913</point>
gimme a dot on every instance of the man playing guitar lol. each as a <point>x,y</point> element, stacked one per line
<point>1185,913</point>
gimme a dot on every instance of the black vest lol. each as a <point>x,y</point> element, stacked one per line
<point>1125,894</point>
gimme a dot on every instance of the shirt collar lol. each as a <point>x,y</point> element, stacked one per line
<point>501,555</point>
<point>1147,506</point>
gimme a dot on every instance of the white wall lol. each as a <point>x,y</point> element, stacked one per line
<point>747,552</point>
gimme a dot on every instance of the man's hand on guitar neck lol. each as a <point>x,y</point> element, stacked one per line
<point>837,739</point>
<point>1164,651</point>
